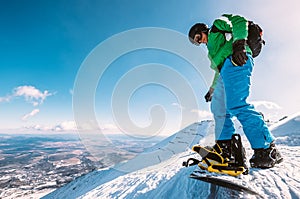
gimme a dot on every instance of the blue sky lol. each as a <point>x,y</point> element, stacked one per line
<point>44,43</point>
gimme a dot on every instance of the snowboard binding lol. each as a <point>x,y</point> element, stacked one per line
<point>228,160</point>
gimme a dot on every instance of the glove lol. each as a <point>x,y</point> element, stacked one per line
<point>239,57</point>
<point>209,95</point>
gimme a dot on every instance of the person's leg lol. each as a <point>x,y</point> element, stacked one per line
<point>236,81</point>
<point>224,127</point>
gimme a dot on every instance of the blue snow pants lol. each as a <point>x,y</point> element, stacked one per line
<point>230,99</point>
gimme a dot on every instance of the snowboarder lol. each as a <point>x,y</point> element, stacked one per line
<point>232,60</point>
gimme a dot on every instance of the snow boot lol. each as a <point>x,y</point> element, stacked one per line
<point>226,156</point>
<point>220,153</point>
<point>230,150</point>
<point>223,147</point>
<point>266,158</point>
<point>239,153</point>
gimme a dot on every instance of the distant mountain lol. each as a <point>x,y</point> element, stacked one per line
<point>288,130</point>
<point>158,173</point>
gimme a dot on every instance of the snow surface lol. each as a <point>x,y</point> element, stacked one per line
<point>158,173</point>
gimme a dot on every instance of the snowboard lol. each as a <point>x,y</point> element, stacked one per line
<point>226,181</point>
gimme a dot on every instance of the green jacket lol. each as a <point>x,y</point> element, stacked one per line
<point>220,46</point>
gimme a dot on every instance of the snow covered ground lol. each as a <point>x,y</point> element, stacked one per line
<point>158,173</point>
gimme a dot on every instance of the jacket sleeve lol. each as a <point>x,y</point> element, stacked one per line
<point>217,74</point>
<point>218,59</point>
<point>219,47</point>
<point>239,26</point>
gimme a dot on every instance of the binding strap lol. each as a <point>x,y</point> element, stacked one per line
<point>190,162</point>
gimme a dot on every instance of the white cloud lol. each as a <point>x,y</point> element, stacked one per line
<point>70,126</point>
<point>60,127</point>
<point>109,127</point>
<point>39,127</point>
<point>266,104</point>
<point>178,105</point>
<point>5,99</point>
<point>31,94</point>
<point>65,126</point>
<point>203,114</point>
<point>31,114</point>
<point>270,110</point>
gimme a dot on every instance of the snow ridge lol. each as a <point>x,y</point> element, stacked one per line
<point>160,154</point>
<point>166,178</point>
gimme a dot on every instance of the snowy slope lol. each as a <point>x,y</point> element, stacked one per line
<point>166,178</point>
<point>288,131</point>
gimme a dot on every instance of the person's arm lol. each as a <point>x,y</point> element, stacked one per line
<point>214,82</point>
<point>218,59</point>
<point>236,46</point>
<point>239,34</point>
<point>210,92</point>
<point>219,46</point>
<point>239,27</point>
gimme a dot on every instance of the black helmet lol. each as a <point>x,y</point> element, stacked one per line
<point>197,29</point>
